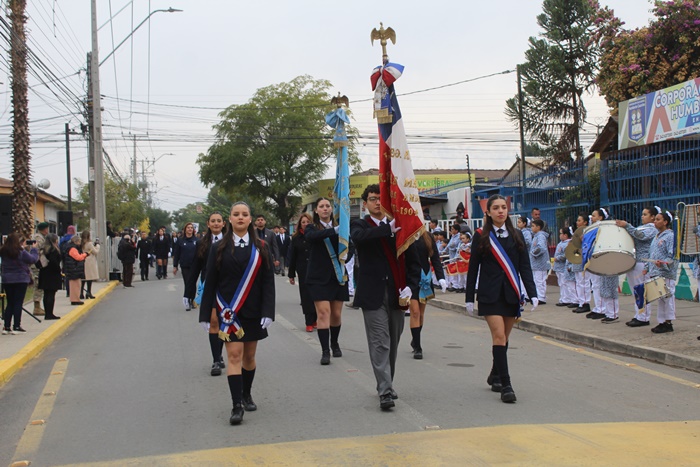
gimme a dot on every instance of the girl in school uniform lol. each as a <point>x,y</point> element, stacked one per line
<point>499,301</point>
<point>565,278</point>
<point>327,290</point>
<point>539,259</point>
<point>298,265</point>
<point>609,302</point>
<point>427,254</point>
<point>453,252</point>
<point>239,301</point>
<point>664,264</point>
<point>525,226</point>
<point>598,215</point>
<point>214,233</point>
<point>583,283</point>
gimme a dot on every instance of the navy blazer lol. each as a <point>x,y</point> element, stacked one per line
<point>493,282</point>
<point>298,258</point>
<point>260,302</point>
<point>321,270</point>
<point>375,278</point>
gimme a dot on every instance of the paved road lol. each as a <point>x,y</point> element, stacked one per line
<point>130,384</point>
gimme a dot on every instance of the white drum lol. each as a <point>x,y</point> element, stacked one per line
<point>655,289</point>
<point>613,250</point>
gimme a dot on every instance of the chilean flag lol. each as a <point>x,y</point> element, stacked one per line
<point>399,188</point>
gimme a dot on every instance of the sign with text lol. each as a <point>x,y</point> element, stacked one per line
<point>670,113</point>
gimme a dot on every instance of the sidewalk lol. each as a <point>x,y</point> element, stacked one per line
<point>680,348</point>
<point>16,350</point>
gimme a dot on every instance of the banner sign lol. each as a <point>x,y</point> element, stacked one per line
<point>671,113</point>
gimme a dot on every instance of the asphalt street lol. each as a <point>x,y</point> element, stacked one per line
<point>131,381</point>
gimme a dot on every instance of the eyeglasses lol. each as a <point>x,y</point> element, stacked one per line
<point>373,199</point>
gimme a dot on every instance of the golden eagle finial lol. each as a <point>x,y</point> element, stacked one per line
<point>340,100</point>
<point>382,35</point>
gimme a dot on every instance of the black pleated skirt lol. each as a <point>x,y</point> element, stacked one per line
<point>329,292</point>
<point>499,308</point>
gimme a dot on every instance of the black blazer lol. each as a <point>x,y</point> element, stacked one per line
<point>374,278</point>
<point>283,246</point>
<point>144,248</point>
<point>298,258</point>
<point>161,248</point>
<point>198,270</point>
<point>321,270</point>
<point>50,276</point>
<point>269,237</point>
<point>260,302</point>
<point>493,282</point>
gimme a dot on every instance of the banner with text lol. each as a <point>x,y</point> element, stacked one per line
<point>670,113</point>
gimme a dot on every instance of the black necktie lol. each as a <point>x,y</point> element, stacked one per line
<point>215,239</point>
<point>500,233</point>
<point>241,243</point>
<point>382,222</point>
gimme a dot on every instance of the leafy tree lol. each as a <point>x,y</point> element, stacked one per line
<point>559,68</point>
<point>274,146</point>
<point>639,61</point>
<point>158,217</point>
<point>124,205</point>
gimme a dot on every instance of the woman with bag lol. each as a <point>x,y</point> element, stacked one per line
<point>16,257</point>
<point>50,280</point>
<point>91,272</point>
<point>74,268</point>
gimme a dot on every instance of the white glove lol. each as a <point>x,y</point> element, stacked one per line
<point>443,285</point>
<point>170,255</point>
<point>535,302</point>
<point>392,224</point>
<point>470,308</point>
<point>405,292</point>
<point>265,322</point>
<point>336,228</point>
<point>205,325</point>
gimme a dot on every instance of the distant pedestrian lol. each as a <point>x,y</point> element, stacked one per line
<point>127,255</point>
<point>144,250</point>
<point>50,280</point>
<point>17,256</point>
<point>283,242</point>
<point>74,268</point>
<point>42,230</point>
<point>91,271</point>
<point>184,252</point>
<point>161,250</point>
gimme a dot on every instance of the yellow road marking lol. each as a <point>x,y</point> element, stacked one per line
<point>658,444</point>
<point>34,432</point>
<point>615,361</point>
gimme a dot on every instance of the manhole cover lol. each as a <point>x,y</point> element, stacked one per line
<point>461,365</point>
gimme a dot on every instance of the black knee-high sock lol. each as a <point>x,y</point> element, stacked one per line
<point>335,332</point>
<point>494,370</point>
<point>248,377</point>
<point>323,339</point>
<point>235,385</point>
<point>215,345</point>
<point>501,360</point>
<point>415,335</point>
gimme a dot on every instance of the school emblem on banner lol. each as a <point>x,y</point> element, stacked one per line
<point>636,116</point>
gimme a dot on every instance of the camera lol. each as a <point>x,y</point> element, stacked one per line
<point>30,242</point>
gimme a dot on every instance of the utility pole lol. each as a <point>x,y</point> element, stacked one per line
<point>68,185</point>
<point>98,216</point>
<point>134,172</point>
<point>522,138</point>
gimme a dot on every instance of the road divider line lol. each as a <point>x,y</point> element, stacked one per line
<point>34,432</point>
<point>615,361</point>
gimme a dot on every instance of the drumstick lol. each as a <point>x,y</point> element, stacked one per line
<point>649,260</point>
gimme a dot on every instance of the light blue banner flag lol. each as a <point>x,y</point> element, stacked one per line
<point>341,191</point>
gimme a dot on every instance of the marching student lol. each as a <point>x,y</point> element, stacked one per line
<point>326,278</point>
<point>427,255</point>
<point>539,259</point>
<point>598,215</point>
<point>643,236</point>
<point>664,264</point>
<point>161,250</point>
<point>214,233</point>
<point>143,251</point>
<point>583,283</point>
<point>298,265</point>
<point>239,300</point>
<point>500,259</point>
<point>184,251</point>
<point>565,278</point>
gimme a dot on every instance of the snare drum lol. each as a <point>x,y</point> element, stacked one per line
<point>613,250</point>
<point>655,289</point>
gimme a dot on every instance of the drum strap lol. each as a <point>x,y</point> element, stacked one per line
<point>507,265</point>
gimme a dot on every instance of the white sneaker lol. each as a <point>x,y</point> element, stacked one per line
<point>186,302</point>
<point>6,331</point>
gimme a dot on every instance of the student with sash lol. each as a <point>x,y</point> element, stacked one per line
<point>297,267</point>
<point>239,301</point>
<point>500,258</point>
<point>381,280</point>
<point>214,233</point>
<point>427,255</point>
<point>326,278</point>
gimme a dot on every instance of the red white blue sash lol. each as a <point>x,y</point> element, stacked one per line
<point>228,312</point>
<point>507,265</point>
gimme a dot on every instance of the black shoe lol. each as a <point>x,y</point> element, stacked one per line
<point>660,329</point>
<point>236,414</point>
<point>77,303</point>
<point>572,305</point>
<point>326,357</point>
<point>451,289</point>
<point>393,394</point>
<point>562,304</point>
<point>337,352</point>
<point>607,320</point>
<point>582,309</point>
<point>20,330</point>
<point>635,323</point>
<point>222,364</point>
<point>90,296</point>
<point>248,403</point>
<point>215,369</point>
<point>541,303</point>
<point>82,297</point>
<point>594,315</point>
<point>48,317</point>
<point>495,382</point>
<point>386,402</point>
<point>508,395</point>
<point>418,354</point>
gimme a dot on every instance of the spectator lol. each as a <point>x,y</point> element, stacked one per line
<point>127,255</point>
<point>42,231</point>
<point>91,272</point>
<point>74,268</point>
<point>50,280</point>
<point>16,257</point>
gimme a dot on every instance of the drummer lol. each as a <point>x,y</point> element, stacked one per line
<point>598,215</point>
<point>663,263</point>
<point>643,236</point>
<point>583,283</point>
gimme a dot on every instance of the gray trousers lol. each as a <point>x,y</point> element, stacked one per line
<point>383,327</point>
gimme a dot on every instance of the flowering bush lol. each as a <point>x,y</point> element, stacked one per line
<point>666,52</point>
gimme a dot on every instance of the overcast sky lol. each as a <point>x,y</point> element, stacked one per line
<point>165,88</point>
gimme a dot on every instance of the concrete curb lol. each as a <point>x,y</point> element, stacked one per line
<point>12,365</point>
<point>595,342</point>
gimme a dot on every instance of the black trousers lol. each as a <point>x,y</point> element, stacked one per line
<point>307,304</point>
<point>190,291</point>
<point>49,301</point>
<point>143,265</point>
<point>128,269</point>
